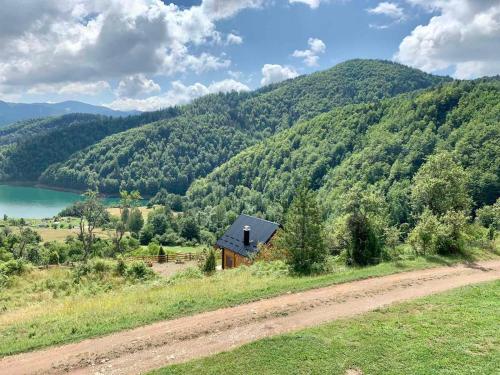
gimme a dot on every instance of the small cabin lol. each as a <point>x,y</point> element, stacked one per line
<point>239,242</point>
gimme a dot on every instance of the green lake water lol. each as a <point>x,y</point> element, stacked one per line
<point>33,202</point>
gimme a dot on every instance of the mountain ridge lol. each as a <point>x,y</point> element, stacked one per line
<point>13,112</point>
<point>174,152</point>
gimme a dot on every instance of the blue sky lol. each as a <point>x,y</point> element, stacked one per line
<point>146,54</point>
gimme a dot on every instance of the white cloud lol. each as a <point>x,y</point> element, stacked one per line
<point>464,36</point>
<point>388,9</point>
<point>86,88</point>
<point>234,39</point>
<point>312,3</point>
<point>310,56</point>
<point>178,94</point>
<point>137,85</point>
<point>272,73</point>
<point>52,42</point>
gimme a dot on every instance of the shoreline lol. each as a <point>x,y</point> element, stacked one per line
<point>34,184</point>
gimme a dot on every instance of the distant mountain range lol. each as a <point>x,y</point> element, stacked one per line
<point>13,112</point>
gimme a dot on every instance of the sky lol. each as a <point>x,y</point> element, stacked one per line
<point>151,54</point>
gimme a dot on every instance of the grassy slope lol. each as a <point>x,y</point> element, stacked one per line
<point>452,333</point>
<point>76,317</point>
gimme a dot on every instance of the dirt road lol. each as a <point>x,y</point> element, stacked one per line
<point>145,348</point>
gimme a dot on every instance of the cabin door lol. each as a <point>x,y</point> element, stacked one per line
<point>229,261</point>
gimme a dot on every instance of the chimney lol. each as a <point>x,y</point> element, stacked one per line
<point>246,235</point>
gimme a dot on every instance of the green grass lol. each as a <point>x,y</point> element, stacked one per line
<point>75,317</point>
<point>145,251</point>
<point>453,333</point>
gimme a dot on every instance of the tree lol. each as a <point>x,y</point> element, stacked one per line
<point>26,237</point>
<point>161,255</point>
<point>190,229</point>
<point>365,226</point>
<point>127,200</point>
<point>441,184</point>
<point>92,214</point>
<point>302,236</point>
<point>364,246</point>
<point>135,221</point>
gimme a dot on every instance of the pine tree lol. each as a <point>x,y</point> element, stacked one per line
<point>302,236</point>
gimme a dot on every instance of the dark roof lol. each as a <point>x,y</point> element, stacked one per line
<point>261,231</point>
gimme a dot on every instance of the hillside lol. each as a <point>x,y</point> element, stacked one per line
<point>376,146</point>
<point>28,148</point>
<point>174,152</point>
<point>13,112</point>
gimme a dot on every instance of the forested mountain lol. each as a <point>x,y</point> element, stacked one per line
<point>13,112</point>
<point>376,146</point>
<point>28,148</point>
<point>173,152</point>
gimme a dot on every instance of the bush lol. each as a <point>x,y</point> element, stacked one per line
<point>489,216</point>
<point>13,267</point>
<point>100,266</point>
<point>33,255</point>
<point>442,235</point>
<point>161,255</point>
<point>139,271</point>
<point>53,257</point>
<point>209,263</point>
<point>423,237</point>
<point>120,267</point>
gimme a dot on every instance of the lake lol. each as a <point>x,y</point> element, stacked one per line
<point>33,202</point>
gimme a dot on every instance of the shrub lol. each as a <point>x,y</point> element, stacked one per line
<point>139,271</point>
<point>53,257</point>
<point>423,237</point>
<point>33,255</point>
<point>443,235</point>
<point>100,266</point>
<point>13,267</point>
<point>161,255</point>
<point>209,263</point>
<point>120,267</point>
<point>489,216</point>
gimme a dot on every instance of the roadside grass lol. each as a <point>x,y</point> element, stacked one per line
<point>76,317</point>
<point>452,333</point>
<point>46,286</point>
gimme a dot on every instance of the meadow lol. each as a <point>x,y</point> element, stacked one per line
<point>45,307</point>
<point>452,333</point>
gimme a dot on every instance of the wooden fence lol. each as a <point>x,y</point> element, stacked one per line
<point>169,257</point>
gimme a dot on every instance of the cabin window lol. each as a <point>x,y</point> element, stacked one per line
<point>229,261</point>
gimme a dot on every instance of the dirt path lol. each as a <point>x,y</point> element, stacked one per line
<point>145,348</point>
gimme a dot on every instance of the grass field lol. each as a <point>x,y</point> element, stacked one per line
<point>60,234</point>
<point>453,333</point>
<point>115,211</point>
<point>75,317</point>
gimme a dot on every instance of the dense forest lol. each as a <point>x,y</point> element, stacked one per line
<point>28,148</point>
<point>188,142</point>
<point>374,147</point>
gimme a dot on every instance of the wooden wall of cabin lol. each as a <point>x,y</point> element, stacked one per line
<point>237,260</point>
